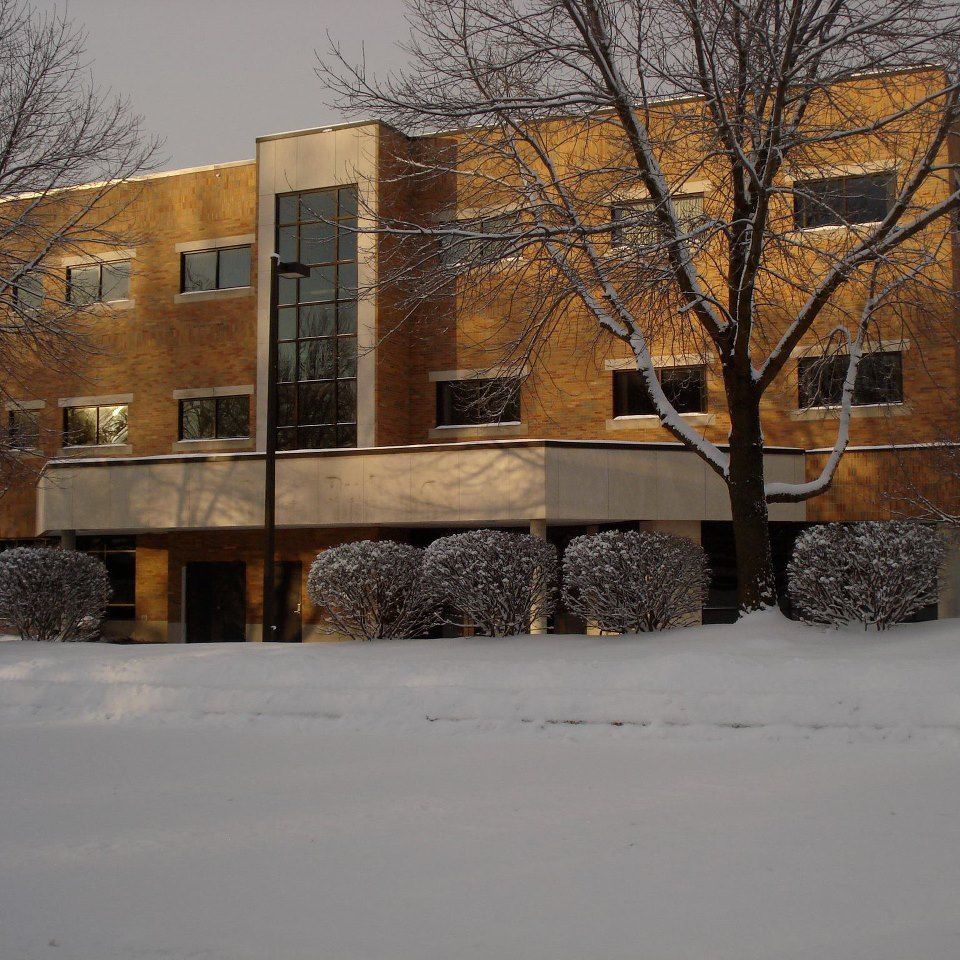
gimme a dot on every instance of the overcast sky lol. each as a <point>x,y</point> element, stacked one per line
<point>209,76</point>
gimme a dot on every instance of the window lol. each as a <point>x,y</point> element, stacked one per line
<point>23,429</point>
<point>685,387</point>
<point>634,222</point>
<point>119,556</point>
<point>99,282</point>
<point>843,200</point>
<point>317,352</point>
<point>462,403</point>
<point>459,253</point>
<point>28,291</point>
<point>879,379</point>
<point>221,269</point>
<point>94,426</point>
<point>215,418</point>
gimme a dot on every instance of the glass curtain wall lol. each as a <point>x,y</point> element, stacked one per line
<point>317,350</point>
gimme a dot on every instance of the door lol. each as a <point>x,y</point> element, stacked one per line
<point>215,602</point>
<point>288,603</point>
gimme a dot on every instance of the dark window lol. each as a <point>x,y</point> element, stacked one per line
<point>475,402</point>
<point>685,387</point>
<point>461,253</point>
<point>220,269</point>
<point>215,418</point>
<point>23,429</point>
<point>99,282</point>
<point>93,426</point>
<point>119,556</point>
<point>843,200</point>
<point>879,379</point>
<point>634,222</point>
<point>28,291</point>
<point>317,352</point>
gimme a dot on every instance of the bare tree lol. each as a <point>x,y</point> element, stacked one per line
<point>58,131</point>
<point>563,110</point>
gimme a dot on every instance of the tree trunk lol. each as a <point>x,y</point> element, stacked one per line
<point>756,584</point>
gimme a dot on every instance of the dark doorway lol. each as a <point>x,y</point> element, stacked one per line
<point>288,601</point>
<point>215,602</point>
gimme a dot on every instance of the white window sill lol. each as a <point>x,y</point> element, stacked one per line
<point>199,296</point>
<point>645,421</point>
<point>863,411</point>
<point>108,305</point>
<point>25,451</point>
<point>99,450</point>
<point>215,445</point>
<point>844,227</point>
<point>509,428</point>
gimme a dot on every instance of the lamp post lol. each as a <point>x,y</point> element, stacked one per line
<point>293,271</point>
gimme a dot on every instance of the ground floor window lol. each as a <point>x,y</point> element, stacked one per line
<point>119,556</point>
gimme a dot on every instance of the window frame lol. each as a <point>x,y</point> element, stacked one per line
<point>99,264</point>
<point>804,206</point>
<point>19,290</point>
<point>98,407</point>
<point>106,549</point>
<point>686,367</point>
<point>302,302</point>
<point>617,238</point>
<point>217,250</point>
<point>33,440</point>
<point>514,403</point>
<point>216,400</point>
<point>465,245</point>
<point>844,358</point>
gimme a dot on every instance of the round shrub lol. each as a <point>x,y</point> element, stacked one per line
<point>632,581</point>
<point>876,572</point>
<point>373,589</point>
<point>48,594</point>
<point>496,580</point>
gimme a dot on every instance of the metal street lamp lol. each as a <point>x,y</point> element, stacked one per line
<point>291,270</point>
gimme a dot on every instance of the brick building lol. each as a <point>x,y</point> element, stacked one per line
<point>155,446</point>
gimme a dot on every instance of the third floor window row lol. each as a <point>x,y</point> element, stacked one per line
<point>223,268</point>
<point>830,201</point>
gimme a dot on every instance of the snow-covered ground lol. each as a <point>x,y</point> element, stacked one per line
<point>744,792</point>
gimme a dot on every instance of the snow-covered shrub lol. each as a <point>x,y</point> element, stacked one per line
<point>373,589</point>
<point>633,581</point>
<point>876,572</point>
<point>496,580</point>
<point>48,594</point>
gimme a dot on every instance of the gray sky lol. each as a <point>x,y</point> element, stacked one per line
<point>210,75</point>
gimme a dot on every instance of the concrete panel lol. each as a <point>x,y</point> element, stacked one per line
<point>298,491</point>
<point>583,484</point>
<point>266,167</point>
<point>436,487</point>
<point>633,484</point>
<point>511,482</point>
<point>341,495</point>
<point>315,163</point>
<point>286,165</point>
<point>681,485</point>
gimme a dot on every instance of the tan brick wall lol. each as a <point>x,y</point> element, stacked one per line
<point>161,558</point>
<point>159,346</point>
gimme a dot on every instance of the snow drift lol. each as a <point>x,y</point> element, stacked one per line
<point>765,674</point>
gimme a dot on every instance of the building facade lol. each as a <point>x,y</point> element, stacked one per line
<point>153,450</point>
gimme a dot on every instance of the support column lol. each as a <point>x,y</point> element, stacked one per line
<point>949,604</point>
<point>538,623</point>
<point>68,539</point>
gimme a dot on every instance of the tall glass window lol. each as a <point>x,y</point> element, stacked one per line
<point>317,352</point>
